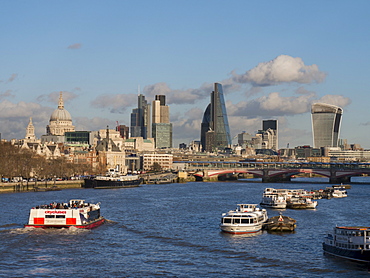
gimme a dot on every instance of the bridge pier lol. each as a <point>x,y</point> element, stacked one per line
<point>282,178</point>
<point>339,179</point>
<point>276,178</point>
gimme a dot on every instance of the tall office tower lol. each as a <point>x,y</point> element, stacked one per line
<point>140,119</point>
<point>326,121</point>
<point>270,127</point>
<point>218,123</point>
<point>205,127</point>
<point>161,126</point>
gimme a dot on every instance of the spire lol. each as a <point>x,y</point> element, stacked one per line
<point>30,131</point>
<point>108,146</point>
<point>61,103</point>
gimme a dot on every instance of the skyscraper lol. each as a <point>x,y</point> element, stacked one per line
<point>326,121</point>
<point>270,128</point>
<point>161,126</point>
<point>140,119</point>
<point>215,120</point>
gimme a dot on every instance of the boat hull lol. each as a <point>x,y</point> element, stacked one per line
<point>90,225</point>
<point>109,184</point>
<point>273,205</point>
<point>238,230</point>
<point>353,254</point>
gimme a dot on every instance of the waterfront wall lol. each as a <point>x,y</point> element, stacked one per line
<point>10,187</point>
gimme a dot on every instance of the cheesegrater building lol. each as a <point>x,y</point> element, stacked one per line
<point>215,132</point>
<point>326,121</point>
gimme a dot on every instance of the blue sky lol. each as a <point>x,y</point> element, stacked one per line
<point>274,59</point>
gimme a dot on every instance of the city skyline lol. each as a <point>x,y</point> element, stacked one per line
<point>274,60</point>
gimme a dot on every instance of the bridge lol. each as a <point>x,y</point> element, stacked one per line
<point>276,171</point>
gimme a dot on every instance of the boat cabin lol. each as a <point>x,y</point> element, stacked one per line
<point>59,215</point>
<point>239,219</point>
<point>350,238</point>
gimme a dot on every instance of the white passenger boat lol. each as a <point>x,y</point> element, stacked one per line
<point>76,213</point>
<point>247,218</point>
<point>339,193</point>
<point>349,242</point>
<point>271,198</point>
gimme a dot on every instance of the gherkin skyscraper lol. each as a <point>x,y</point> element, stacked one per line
<point>215,132</point>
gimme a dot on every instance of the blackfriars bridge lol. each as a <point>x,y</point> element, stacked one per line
<point>277,171</point>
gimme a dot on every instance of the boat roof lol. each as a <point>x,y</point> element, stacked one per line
<point>359,228</point>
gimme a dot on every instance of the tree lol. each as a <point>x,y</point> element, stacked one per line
<point>156,167</point>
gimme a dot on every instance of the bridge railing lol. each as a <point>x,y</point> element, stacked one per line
<point>214,165</point>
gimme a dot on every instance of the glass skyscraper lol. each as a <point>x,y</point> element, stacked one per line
<point>140,119</point>
<point>215,121</point>
<point>161,126</point>
<point>326,121</point>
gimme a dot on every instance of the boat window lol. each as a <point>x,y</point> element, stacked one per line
<point>237,220</point>
<point>251,220</point>
<point>60,216</point>
<point>245,221</point>
<point>227,220</point>
<point>49,216</point>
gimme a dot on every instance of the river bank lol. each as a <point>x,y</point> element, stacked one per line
<point>11,187</point>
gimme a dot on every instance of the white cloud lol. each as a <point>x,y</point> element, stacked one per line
<point>118,103</point>
<point>282,69</point>
<point>186,96</point>
<point>14,118</point>
<point>187,128</point>
<point>272,105</point>
<point>54,97</point>
<point>95,123</point>
<point>337,100</point>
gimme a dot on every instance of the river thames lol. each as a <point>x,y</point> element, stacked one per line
<point>172,230</point>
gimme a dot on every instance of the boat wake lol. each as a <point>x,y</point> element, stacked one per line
<point>50,231</point>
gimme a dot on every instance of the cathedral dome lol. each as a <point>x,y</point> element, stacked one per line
<point>60,115</point>
<point>60,120</point>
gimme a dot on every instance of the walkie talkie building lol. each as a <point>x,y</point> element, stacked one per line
<point>326,121</point>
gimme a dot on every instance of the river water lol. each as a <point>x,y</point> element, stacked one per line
<point>172,230</point>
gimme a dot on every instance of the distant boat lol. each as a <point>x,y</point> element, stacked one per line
<point>247,218</point>
<point>301,203</point>
<point>112,180</point>
<point>339,193</point>
<point>271,198</point>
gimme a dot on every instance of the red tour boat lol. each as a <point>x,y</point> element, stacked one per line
<point>75,213</point>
